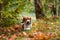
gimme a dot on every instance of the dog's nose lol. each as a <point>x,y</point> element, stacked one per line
<point>28,22</point>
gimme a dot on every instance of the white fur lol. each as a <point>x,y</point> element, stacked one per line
<point>27,27</point>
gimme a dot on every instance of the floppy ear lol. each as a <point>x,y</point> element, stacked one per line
<point>30,18</point>
<point>23,20</point>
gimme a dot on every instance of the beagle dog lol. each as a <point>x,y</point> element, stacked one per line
<point>26,23</point>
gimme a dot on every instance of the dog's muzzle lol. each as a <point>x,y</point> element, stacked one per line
<point>28,22</point>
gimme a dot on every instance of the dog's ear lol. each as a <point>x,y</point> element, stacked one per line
<point>24,19</point>
<point>30,18</point>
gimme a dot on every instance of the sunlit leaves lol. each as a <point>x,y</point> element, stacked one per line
<point>0,1</point>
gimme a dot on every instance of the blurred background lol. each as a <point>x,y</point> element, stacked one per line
<point>12,11</point>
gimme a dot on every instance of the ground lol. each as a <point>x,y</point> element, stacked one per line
<point>47,29</point>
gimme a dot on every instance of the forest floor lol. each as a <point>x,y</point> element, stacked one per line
<point>48,29</point>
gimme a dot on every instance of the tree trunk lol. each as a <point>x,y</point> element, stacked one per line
<point>38,9</point>
<point>3,4</point>
<point>0,9</point>
<point>54,11</point>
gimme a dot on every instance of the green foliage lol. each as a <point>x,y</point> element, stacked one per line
<point>46,7</point>
<point>8,19</point>
<point>11,9</point>
<point>29,7</point>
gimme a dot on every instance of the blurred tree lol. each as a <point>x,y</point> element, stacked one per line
<point>39,9</point>
<point>54,10</point>
<point>0,9</point>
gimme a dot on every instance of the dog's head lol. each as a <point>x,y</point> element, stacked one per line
<point>26,20</point>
